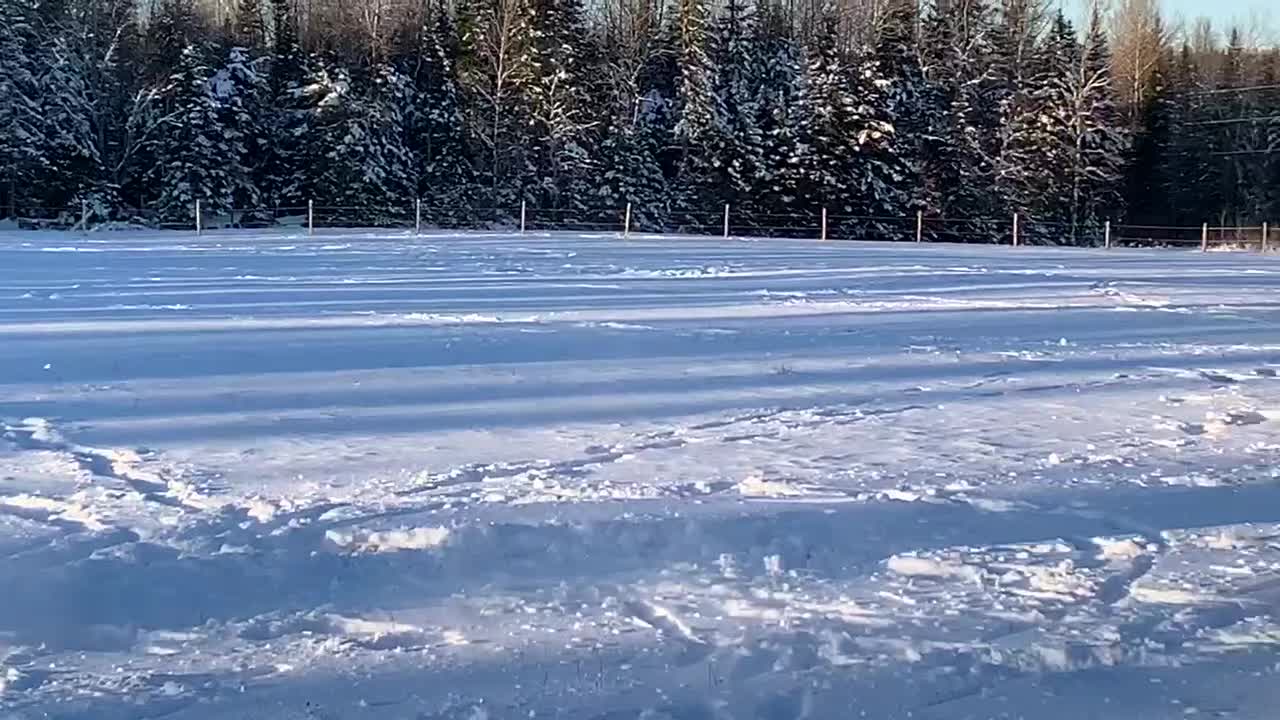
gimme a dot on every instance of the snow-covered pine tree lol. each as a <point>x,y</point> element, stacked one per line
<point>828,109</point>
<point>198,157</point>
<point>910,100</point>
<point>250,24</point>
<point>21,126</point>
<point>286,171</point>
<point>1187,172</point>
<point>364,166</point>
<point>71,163</point>
<point>959,57</point>
<point>882,175</point>
<point>699,133</point>
<point>737,57</point>
<point>560,59</point>
<point>781,117</point>
<point>1099,145</point>
<point>437,137</point>
<point>630,170</point>
<point>493,76</point>
<point>172,27</point>
<point>241,91</point>
<point>1035,167</point>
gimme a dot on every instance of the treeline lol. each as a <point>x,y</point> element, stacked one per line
<point>781,108</point>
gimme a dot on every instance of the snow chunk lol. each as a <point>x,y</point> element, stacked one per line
<point>912,566</point>
<point>423,538</point>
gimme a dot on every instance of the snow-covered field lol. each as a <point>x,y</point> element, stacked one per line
<point>483,476</point>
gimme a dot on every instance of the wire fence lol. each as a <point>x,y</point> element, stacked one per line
<point>726,222</point>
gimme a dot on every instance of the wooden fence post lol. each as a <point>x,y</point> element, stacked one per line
<point>1204,237</point>
<point>1015,229</point>
<point>824,224</point>
<point>417,217</point>
<point>311,217</point>
<point>524,214</point>
<point>919,226</point>
<point>726,221</point>
<point>198,228</point>
<point>1266,228</point>
<point>1106,240</point>
<point>626,224</point>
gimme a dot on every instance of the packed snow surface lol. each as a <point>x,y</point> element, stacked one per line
<point>484,476</point>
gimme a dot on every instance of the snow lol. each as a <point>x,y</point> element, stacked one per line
<point>370,475</point>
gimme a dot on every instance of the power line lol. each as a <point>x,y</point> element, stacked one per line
<point>1225,91</point>
<point>1236,121</point>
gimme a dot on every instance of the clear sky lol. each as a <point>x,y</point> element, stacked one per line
<point>1222,12</point>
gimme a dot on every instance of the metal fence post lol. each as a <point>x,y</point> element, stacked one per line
<point>417,217</point>
<point>919,226</point>
<point>1106,238</point>
<point>1015,229</point>
<point>726,221</point>
<point>1266,230</point>
<point>311,217</point>
<point>1204,237</point>
<point>198,228</point>
<point>626,223</point>
<point>523,215</point>
<point>824,224</point>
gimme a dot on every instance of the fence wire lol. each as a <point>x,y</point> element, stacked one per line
<point>723,222</point>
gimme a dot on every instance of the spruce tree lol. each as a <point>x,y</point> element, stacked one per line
<point>559,59</point>
<point>198,156</point>
<point>446,179</point>
<point>21,126</point>
<point>699,132</point>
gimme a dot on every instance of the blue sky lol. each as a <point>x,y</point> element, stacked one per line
<point>1219,10</point>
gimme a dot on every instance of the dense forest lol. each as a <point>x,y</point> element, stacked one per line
<point>878,109</point>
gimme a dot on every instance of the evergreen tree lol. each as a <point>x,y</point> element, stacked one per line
<point>251,26</point>
<point>910,100</point>
<point>559,59</point>
<point>437,135</point>
<point>70,159</point>
<point>962,171</point>
<point>737,58</point>
<point>199,156</point>
<point>1037,161</point>
<point>631,172</point>
<point>241,91</point>
<point>285,171</point>
<point>494,75</point>
<point>21,126</point>
<point>699,132</point>
<point>1098,144</point>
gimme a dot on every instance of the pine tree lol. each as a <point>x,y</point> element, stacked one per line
<point>198,156</point>
<point>1036,167</point>
<point>1099,145</point>
<point>910,100</point>
<point>559,58</point>
<point>437,136</point>
<point>71,162</point>
<point>631,172</point>
<point>959,59</point>
<point>737,58</point>
<point>241,91</point>
<point>781,118</point>
<point>699,132</point>
<point>285,174</point>
<point>494,76</point>
<point>251,27</point>
<point>21,126</point>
